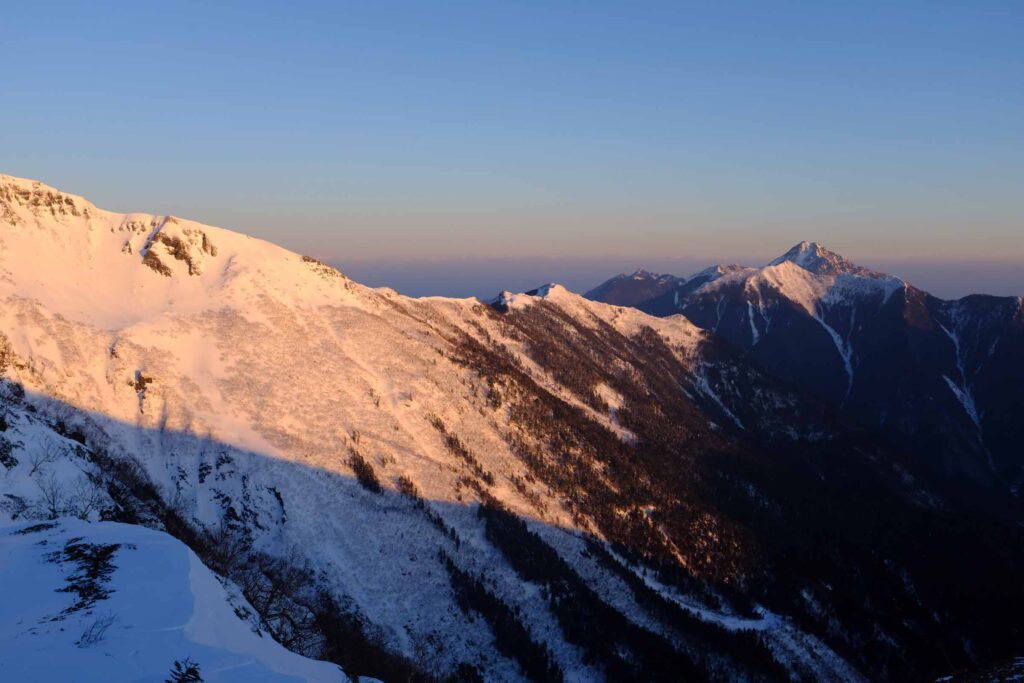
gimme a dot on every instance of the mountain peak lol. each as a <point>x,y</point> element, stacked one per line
<point>629,290</point>
<point>714,272</point>
<point>816,259</point>
<point>54,241</point>
<point>644,274</point>
<point>38,199</point>
<point>507,300</point>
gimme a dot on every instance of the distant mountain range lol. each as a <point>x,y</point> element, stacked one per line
<point>942,378</point>
<point>813,480</point>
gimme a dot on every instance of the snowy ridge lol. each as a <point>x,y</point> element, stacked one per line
<point>440,469</point>
<point>628,290</point>
<point>818,281</point>
<point>715,272</point>
<point>162,605</point>
<point>807,288</point>
<point>816,259</point>
<point>188,266</point>
<point>845,332</point>
<point>248,382</point>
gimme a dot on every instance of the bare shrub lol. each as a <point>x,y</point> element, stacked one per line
<point>227,550</point>
<point>46,455</point>
<point>84,499</point>
<point>7,458</point>
<point>277,589</point>
<point>52,497</point>
<point>97,630</point>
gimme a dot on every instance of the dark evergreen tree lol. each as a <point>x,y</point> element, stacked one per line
<point>185,671</point>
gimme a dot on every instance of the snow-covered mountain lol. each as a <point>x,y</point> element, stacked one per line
<point>629,290</point>
<point>816,259</point>
<point>940,377</point>
<point>549,488</point>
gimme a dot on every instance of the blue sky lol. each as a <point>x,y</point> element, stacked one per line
<point>430,133</point>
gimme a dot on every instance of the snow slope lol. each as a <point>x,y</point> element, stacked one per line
<point>189,378</point>
<point>245,380</point>
<point>163,606</point>
<point>927,371</point>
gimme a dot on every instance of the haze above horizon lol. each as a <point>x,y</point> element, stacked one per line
<point>401,140</point>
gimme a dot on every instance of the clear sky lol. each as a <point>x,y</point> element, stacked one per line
<point>419,136</point>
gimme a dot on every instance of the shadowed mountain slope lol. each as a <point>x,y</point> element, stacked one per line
<point>941,378</point>
<point>630,290</point>
<point>548,488</point>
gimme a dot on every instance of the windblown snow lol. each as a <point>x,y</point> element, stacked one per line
<point>159,605</point>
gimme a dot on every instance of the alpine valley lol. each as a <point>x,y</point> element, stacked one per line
<point>808,471</point>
